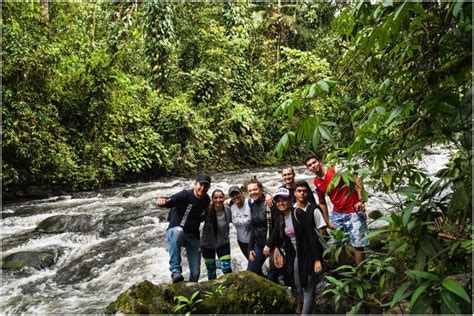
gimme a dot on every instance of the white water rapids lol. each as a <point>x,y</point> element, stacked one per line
<point>126,246</point>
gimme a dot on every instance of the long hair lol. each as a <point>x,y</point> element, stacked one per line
<point>212,212</point>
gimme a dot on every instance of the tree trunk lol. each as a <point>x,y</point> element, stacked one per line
<point>45,12</point>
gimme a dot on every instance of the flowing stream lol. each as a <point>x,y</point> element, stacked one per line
<point>122,244</point>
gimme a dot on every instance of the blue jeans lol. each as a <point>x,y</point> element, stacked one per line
<point>177,238</point>
<point>256,265</point>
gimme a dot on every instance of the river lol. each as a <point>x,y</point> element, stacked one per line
<point>125,245</point>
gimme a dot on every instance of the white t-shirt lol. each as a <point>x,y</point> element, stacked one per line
<point>319,221</point>
<point>241,221</point>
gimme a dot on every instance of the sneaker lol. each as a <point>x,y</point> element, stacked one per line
<point>177,277</point>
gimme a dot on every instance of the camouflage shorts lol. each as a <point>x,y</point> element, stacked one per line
<point>354,226</point>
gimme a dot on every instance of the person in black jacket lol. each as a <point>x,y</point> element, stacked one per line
<point>303,251</point>
<point>260,225</point>
<point>186,214</point>
<point>215,235</point>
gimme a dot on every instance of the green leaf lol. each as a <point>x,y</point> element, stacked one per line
<point>391,270</point>
<point>380,109</point>
<point>401,293</point>
<point>419,290</point>
<point>312,91</point>
<point>450,302</point>
<point>457,8</point>
<point>395,113</point>
<point>354,310</point>
<point>325,133</point>
<point>388,179</point>
<point>360,291</point>
<point>455,288</point>
<point>407,213</point>
<point>315,139</point>
<point>329,123</point>
<point>334,281</point>
<point>422,305</point>
<point>427,246</point>
<point>422,275</point>
<point>324,86</point>
<point>399,10</point>
<point>194,295</point>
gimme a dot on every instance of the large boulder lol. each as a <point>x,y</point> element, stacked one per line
<point>239,292</point>
<point>35,259</point>
<point>66,223</point>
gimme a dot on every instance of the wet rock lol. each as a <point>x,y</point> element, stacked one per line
<point>66,223</point>
<point>129,217</point>
<point>239,292</point>
<point>131,193</point>
<point>35,259</point>
<point>375,214</point>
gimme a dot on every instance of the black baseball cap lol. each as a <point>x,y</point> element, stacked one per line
<point>234,189</point>
<point>204,178</point>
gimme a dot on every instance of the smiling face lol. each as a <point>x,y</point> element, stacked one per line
<point>283,205</point>
<point>288,176</point>
<point>218,198</point>
<point>200,189</point>
<point>254,191</point>
<point>315,166</point>
<point>237,198</point>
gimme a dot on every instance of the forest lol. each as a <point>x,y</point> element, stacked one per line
<point>96,94</point>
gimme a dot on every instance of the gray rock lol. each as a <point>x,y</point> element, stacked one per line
<point>66,223</point>
<point>34,259</point>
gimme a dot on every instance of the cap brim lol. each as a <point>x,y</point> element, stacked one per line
<point>282,196</point>
<point>204,182</point>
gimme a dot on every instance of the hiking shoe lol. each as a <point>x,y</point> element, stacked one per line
<point>177,277</point>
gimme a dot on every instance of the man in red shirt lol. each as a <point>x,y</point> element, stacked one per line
<point>348,214</point>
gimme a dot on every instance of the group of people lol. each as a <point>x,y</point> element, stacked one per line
<point>291,220</point>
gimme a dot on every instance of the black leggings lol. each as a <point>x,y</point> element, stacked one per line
<point>244,247</point>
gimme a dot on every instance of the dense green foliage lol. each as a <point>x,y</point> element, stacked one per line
<point>99,93</point>
<point>403,83</point>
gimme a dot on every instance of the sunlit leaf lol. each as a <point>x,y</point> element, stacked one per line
<point>324,86</point>
<point>455,288</point>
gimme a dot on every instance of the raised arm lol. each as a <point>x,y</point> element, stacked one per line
<point>161,202</point>
<point>324,208</point>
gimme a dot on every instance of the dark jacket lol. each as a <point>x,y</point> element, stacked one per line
<point>213,236</point>
<point>308,249</point>
<point>258,223</point>
<point>187,211</point>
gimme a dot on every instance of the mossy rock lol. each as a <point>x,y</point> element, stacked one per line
<point>34,259</point>
<point>240,292</point>
<point>65,223</point>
